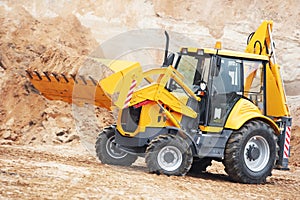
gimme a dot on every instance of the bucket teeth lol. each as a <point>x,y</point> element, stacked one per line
<point>61,78</point>
<point>55,75</point>
<point>47,75</point>
<point>93,80</point>
<point>29,74</point>
<point>83,80</point>
<point>38,75</point>
<point>74,78</point>
<point>65,78</point>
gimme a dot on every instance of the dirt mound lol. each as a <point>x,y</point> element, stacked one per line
<point>58,44</point>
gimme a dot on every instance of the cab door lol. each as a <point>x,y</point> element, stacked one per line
<point>224,89</point>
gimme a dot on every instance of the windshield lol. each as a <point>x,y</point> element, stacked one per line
<point>194,68</point>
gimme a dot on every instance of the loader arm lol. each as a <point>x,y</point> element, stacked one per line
<point>261,42</point>
<point>157,92</point>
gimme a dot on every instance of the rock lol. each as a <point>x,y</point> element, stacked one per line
<point>6,134</point>
<point>13,136</point>
<point>61,139</point>
<point>60,133</point>
<point>6,142</point>
<point>56,141</point>
<point>2,127</point>
<point>71,138</point>
<point>10,122</point>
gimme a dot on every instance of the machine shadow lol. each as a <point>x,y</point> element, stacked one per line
<point>201,175</point>
<point>210,176</point>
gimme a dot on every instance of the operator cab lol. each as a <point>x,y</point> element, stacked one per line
<point>225,77</point>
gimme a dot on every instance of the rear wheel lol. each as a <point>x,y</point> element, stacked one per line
<point>108,152</point>
<point>250,153</point>
<point>170,155</point>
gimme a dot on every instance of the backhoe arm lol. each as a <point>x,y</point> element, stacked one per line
<point>261,42</point>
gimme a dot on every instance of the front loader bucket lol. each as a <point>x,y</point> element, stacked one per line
<point>60,87</point>
<point>79,89</point>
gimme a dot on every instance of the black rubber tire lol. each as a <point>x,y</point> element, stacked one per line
<point>162,144</point>
<point>108,153</point>
<point>200,165</point>
<point>236,151</point>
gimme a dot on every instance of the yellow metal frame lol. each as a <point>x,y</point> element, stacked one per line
<point>211,129</point>
<point>275,95</point>
<point>156,92</point>
<point>223,52</point>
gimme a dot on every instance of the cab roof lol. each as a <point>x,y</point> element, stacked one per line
<point>222,52</point>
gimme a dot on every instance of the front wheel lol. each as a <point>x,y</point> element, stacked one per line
<point>250,153</point>
<point>108,152</point>
<point>170,155</point>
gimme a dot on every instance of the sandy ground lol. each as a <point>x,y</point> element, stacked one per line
<point>69,172</point>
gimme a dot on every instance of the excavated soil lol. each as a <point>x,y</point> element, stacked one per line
<point>46,147</point>
<point>69,172</point>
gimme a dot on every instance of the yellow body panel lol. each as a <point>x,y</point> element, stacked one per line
<point>120,83</point>
<point>211,129</point>
<point>244,111</point>
<point>151,116</point>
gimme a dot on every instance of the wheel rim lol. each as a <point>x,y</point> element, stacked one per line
<point>257,153</point>
<point>169,158</point>
<point>112,150</point>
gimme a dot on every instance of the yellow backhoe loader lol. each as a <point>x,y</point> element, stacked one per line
<point>208,104</point>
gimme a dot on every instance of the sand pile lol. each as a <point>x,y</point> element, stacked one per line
<point>58,44</point>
